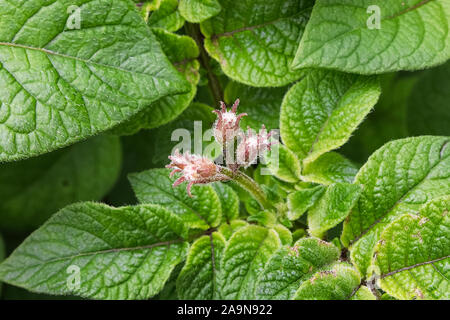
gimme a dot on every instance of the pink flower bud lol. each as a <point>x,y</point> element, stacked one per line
<point>194,169</point>
<point>253,145</point>
<point>226,126</point>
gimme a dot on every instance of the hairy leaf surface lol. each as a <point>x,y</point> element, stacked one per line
<point>290,266</point>
<point>198,278</point>
<point>60,84</point>
<point>202,211</point>
<point>413,254</point>
<point>255,41</point>
<point>245,256</point>
<point>199,10</point>
<point>343,35</point>
<point>320,112</point>
<point>397,179</point>
<point>118,253</point>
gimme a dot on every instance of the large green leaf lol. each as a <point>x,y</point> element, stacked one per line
<point>397,179</point>
<point>33,189</point>
<point>321,111</point>
<point>412,34</point>
<point>412,257</point>
<point>182,51</point>
<point>329,168</point>
<point>61,85</point>
<point>337,283</point>
<point>198,278</point>
<point>290,266</point>
<point>429,104</point>
<point>255,40</point>
<point>202,211</point>
<point>116,253</point>
<point>262,105</point>
<point>245,256</point>
<point>199,10</point>
<point>363,293</point>
<point>333,207</point>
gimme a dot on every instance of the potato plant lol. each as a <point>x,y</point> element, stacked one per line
<point>223,149</point>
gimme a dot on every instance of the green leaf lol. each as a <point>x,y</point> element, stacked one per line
<point>429,103</point>
<point>202,211</point>
<point>261,104</point>
<point>329,168</point>
<point>228,229</point>
<point>413,254</point>
<point>182,52</point>
<point>165,15</point>
<point>283,164</point>
<point>397,179</point>
<point>340,35</point>
<point>198,278</point>
<point>300,201</point>
<point>337,283</point>
<point>118,253</point>
<point>32,190</point>
<point>229,201</point>
<point>244,259</point>
<point>333,207</point>
<point>320,112</point>
<point>68,84</point>
<point>363,293</point>
<point>199,10</point>
<point>290,266</point>
<point>255,41</point>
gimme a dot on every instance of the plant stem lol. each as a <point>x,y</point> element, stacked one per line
<point>248,184</point>
<point>193,30</point>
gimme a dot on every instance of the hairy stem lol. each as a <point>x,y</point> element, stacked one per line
<point>248,184</point>
<point>193,30</point>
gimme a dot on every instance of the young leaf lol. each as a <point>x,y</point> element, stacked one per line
<point>261,104</point>
<point>363,293</point>
<point>333,207</point>
<point>320,112</point>
<point>284,164</point>
<point>229,201</point>
<point>166,16</point>
<point>258,48</point>
<point>376,36</point>
<point>429,103</point>
<point>244,259</point>
<point>329,168</point>
<point>336,283</point>
<point>67,84</point>
<point>228,229</point>
<point>182,53</point>
<point>397,179</point>
<point>300,201</point>
<point>96,251</point>
<point>198,278</point>
<point>199,10</point>
<point>202,211</point>
<point>290,266</point>
<point>413,254</point>
<point>32,190</point>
